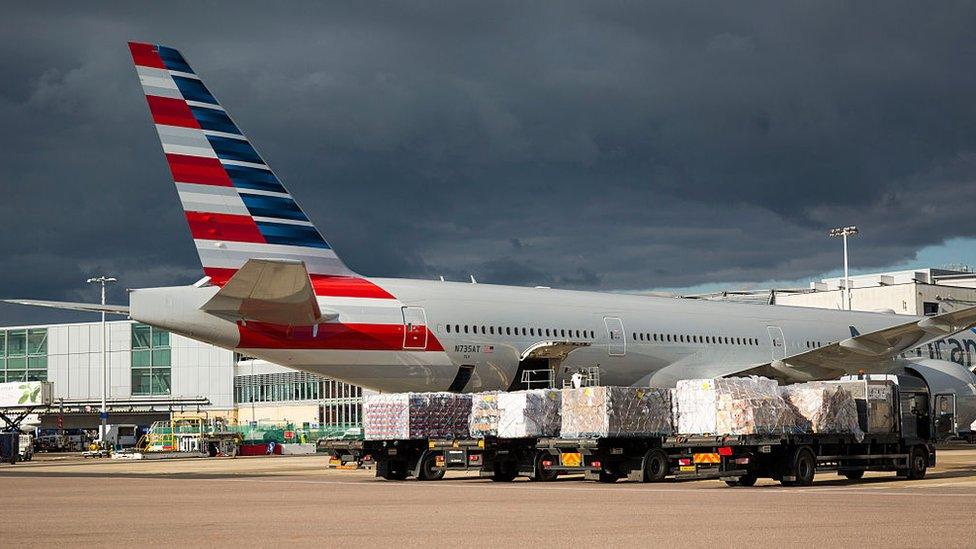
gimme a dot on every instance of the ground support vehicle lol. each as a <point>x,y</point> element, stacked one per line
<point>9,447</point>
<point>501,460</point>
<point>640,459</point>
<point>907,448</point>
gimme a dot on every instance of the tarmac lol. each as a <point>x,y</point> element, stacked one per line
<point>61,500</point>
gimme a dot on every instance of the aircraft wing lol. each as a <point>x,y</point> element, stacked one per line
<point>73,306</point>
<point>866,350</point>
<point>277,291</point>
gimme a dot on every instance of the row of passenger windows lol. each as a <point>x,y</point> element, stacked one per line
<point>509,330</point>
<point>671,338</point>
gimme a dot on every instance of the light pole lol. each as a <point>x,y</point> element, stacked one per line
<point>103,412</point>
<point>845,232</point>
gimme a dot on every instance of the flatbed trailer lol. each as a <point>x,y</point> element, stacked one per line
<point>502,460</point>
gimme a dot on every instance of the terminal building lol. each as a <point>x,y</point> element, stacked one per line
<point>152,374</point>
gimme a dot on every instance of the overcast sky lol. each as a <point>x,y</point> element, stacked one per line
<point>579,145</point>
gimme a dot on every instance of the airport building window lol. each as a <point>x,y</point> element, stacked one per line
<point>23,355</point>
<point>151,361</point>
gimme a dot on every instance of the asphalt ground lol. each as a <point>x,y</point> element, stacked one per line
<point>61,501</point>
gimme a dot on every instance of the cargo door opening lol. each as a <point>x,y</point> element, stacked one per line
<point>539,363</point>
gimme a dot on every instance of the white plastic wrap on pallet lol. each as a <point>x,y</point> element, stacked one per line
<point>484,415</point>
<point>401,416</point>
<point>595,412</point>
<point>823,408</point>
<point>526,414</point>
<point>731,406</point>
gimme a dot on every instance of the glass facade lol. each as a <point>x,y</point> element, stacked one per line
<point>151,361</point>
<point>23,354</point>
<point>340,404</point>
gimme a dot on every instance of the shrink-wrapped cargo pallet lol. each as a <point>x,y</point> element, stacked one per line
<point>533,413</point>
<point>484,415</point>
<point>823,408</point>
<point>595,412</point>
<point>402,416</point>
<point>519,414</point>
<point>875,400</point>
<point>731,406</point>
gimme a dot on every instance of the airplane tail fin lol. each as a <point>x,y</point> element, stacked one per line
<point>235,206</point>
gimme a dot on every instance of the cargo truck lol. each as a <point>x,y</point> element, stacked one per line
<point>501,460</point>
<point>900,439</point>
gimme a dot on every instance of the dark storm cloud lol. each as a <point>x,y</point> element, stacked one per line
<point>579,145</point>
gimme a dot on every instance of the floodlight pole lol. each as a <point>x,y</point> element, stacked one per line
<point>845,232</point>
<point>103,411</point>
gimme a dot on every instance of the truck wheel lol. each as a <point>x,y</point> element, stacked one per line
<point>655,466</point>
<point>803,468</point>
<point>608,476</point>
<point>542,473</point>
<point>854,475</point>
<point>429,469</point>
<point>395,471</point>
<point>504,474</point>
<point>918,463</point>
<point>744,480</point>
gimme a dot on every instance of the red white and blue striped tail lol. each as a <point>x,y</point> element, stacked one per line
<point>236,207</point>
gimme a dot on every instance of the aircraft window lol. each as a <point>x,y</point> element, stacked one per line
<point>634,335</point>
<point>577,334</point>
<point>531,331</point>
<point>563,333</point>
<point>491,330</point>
<point>465,328</point>
<point>484,330</point>
<point>508,331</point>
<point>547,332</point>
<point>448,328</point>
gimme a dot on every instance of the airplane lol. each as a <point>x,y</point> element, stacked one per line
<point>275,289</point>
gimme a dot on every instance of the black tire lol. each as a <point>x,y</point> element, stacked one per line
<point>918,463</point>
<point>504,474</point>
<point>803,468</point>
<point>656,466</point>
<point>854,475</point>
<point>395,471</point>
<point>543,473</point>
<point>608,477</point>
<point>748,480</point>
<point>429,469</point>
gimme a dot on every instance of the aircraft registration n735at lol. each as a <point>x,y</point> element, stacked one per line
<point>275,289</point>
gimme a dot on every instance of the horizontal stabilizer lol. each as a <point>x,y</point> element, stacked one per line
<point>277,291</point>
<point>72,306</point>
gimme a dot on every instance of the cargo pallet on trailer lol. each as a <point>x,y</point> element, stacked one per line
<point>792,459</point>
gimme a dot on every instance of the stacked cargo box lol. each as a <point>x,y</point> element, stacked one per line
<point>403,416</point>
<point>533,413</point>
<point>875,401</point>
<point>519,414</point>
<point>823,407</point>
<point>595,412</point>
<point>731,406</point>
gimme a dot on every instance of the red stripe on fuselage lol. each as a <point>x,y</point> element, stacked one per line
<point>333,336</point>
<point>146,55</point>
<point>323,285</point>
<point>171,112</point>
<point>214,226</point>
